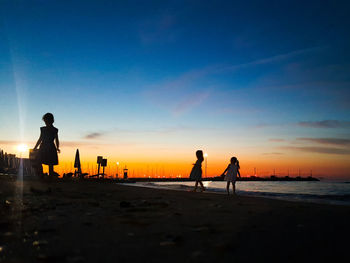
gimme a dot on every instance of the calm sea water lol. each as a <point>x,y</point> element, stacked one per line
<point>319,192</point>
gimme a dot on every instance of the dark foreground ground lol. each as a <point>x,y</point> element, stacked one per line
<point>71,221</point>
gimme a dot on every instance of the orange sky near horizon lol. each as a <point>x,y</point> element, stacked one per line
<point>143,162</point>
<point>149,86</point>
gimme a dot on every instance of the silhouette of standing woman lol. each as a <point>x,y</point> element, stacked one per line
<point>48,150</point>
<point>196,172</point>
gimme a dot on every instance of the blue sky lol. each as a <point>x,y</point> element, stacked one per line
<point>247,71</point>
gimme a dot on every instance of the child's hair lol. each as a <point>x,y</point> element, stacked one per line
<point>48,118</point>
<point>199,155</point>
<point>235,160</point>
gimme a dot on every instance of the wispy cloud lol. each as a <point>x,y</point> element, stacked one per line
<point>315,149</point>
<point>90,144</point>
<point>273,59</point>
<point>192,75</point>
<point>330,124</point>
<point>172,94</point>
<point>190,102</point>
<point>329,141</point>
<point>158,29</point>
<point>273,153</point>
<point>183,81</point>
<point>325,124</point>
<point>269,125</point>
<point>158,130</point>
<point>94,135</point>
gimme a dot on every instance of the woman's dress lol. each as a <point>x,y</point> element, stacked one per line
<point>231,174</point>
<point>196,172</point>
<point>47,150</point>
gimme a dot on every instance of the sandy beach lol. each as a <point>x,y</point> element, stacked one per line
<point>92,221</point>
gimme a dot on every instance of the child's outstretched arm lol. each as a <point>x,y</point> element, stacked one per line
<point>225,170</point>
<point>57,144</point>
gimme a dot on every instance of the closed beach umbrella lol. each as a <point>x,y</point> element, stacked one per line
<point>77,161</point>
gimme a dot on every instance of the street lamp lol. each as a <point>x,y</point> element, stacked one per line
<point>206,163</point>
<point>117,169</point>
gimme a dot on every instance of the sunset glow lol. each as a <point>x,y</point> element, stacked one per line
<point>148,88</point>
<point>176,163</point>
<point>174,130</point>
<point>22,148</point>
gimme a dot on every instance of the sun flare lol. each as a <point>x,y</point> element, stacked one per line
<point>22,147</point>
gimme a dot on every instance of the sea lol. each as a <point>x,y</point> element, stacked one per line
<point>337,193</point>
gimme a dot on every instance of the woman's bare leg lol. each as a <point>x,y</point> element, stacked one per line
<point>234,187</point>
<point>51,172</point>
<point>195,186</point>
<point>200,182</point>
<point>228,187</point>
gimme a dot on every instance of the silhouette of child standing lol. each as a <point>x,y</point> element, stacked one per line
<point>231,175</point>
<point>196,172</point>
<point>48,150</point>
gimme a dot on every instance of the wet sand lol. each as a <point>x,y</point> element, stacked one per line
<point>90,221</point>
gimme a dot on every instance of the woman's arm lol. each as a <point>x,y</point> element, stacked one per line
<point>38,142</point>
<point>225,170</point>
<point>57,144</point>
<point>239,174</point>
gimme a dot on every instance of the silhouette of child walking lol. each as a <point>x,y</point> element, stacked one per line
<point>231,175</point>
<point>196,172</point>
<point>47,153</point>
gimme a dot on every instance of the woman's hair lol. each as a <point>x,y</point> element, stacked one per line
<point>48,118</point>
<point>235,160</point>
<point>199,155</point>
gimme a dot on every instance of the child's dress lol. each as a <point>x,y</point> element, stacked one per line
<point>196,172</point>
<point>47,150</point>
<point>231,174</point>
